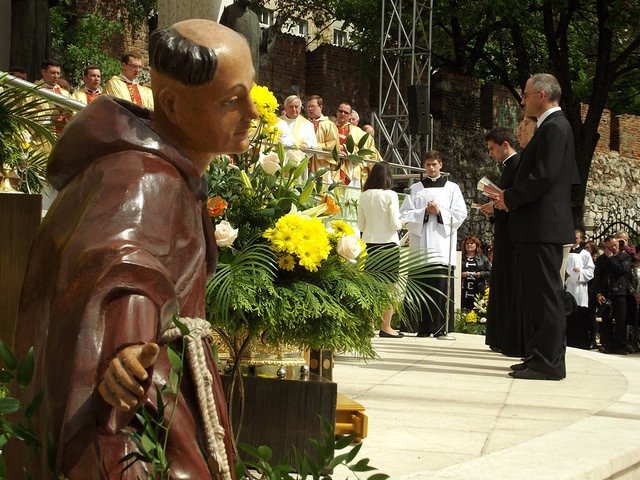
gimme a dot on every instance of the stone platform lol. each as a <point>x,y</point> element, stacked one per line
<point>446,409</point>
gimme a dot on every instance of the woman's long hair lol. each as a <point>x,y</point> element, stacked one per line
<point>379,177</point>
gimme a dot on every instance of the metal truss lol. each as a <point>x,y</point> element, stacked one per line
<point>405,59</point>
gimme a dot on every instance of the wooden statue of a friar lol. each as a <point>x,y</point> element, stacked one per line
<point>126,247</point>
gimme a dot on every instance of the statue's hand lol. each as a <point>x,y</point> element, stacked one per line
<point>121,384</point>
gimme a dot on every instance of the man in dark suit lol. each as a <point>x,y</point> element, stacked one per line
<point>540,223</point>
<point>503,333</point>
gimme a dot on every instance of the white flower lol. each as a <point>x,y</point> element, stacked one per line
<point>225,235</point>
<point>483,320</point>
<point>294,157</point>
<point>348,247</point>
<point>270,163</point>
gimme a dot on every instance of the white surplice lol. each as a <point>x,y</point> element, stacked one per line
<point>440,239</point>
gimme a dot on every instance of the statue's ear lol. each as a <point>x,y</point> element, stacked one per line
<point>167,102</point>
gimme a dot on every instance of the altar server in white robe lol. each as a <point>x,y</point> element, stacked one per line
<point>579,271</point>
<point>433,211</point>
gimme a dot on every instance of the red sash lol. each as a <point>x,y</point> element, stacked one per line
<point>134,93</point>
<point>343,133</point>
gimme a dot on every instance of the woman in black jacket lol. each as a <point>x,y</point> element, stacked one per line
<point>476,269</point>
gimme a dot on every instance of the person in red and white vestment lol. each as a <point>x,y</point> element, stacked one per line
<point>126,86</point>
<point>90,89</point>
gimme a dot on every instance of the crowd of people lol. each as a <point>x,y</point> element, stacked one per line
<point>314,131</point>
<point>529,208</point>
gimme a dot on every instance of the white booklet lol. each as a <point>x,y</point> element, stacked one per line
<point>486,186</point>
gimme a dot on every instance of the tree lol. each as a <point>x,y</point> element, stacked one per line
<point>591,46</point>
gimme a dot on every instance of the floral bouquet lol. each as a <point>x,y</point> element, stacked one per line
<point>474,321</point>
<point>290,270</point>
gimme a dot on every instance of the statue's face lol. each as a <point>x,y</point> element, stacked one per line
<point>216,117</point>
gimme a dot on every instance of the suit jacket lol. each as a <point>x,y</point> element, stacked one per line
<point>540,200</point>
<point>506,181</point>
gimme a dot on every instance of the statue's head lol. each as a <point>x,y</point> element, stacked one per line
<point>201,76</point>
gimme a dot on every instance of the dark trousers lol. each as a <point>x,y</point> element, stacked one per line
<point>432,314</point>
<point>614,326</point>
<point>578,327</point>
<point>539,305</point>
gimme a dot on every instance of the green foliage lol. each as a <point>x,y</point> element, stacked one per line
<point>16,375</point>
<point>151,434</point>
<point>79,41</point>
<point>304,464</point>
<point>25,122</point>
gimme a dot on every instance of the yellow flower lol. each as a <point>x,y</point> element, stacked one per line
<point>286,262</point>
<point>471,317</point>
<point>304,238</point>
<point>341,228</point>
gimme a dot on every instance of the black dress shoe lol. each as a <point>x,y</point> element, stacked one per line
<point>423,334</point>
<point>528,374</point>
<point>384,334</point>
<point>519,366</point>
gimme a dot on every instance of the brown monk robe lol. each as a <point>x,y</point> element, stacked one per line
<point>124,247</point>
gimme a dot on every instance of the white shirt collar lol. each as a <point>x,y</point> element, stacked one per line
<point>544,116</point>
<point>504,162</point>
<point>126,80</point>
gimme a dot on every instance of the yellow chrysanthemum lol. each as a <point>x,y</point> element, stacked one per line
<point>471,317</point>
<point>286,262</point>
<point>304,238</point>
<point>265,102</point>
<point>341,228</point>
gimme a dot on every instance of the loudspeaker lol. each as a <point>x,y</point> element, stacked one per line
<point>418,107</point>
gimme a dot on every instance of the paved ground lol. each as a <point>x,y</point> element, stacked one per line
<point>446,409</point>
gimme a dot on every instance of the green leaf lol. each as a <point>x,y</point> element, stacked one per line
<point>34,405</point>
<point>7,356</point>
<point>352,453</point>
<point>378,476</point>
<point>26,369</point>
<point>363,140</point>
<point>280,151</point>
<point>9,405</point>
<point>361,466</point>
<point>350,144</point>
<point>306,192</point>
<point>184,330</point>
<point>344,441</point>
<point>175,359</point>
<point>265,452</point>
<point>366,151</point>
<point>355,158</point>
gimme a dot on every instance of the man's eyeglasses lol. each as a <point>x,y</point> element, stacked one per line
<point>133,66</point>
<point>525,94</point>
<point>344,111</point>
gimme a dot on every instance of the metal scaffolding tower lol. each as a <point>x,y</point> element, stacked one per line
<point>405,59</point>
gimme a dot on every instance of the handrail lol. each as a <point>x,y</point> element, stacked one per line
<point>75,106</point>
<point>37,90</point>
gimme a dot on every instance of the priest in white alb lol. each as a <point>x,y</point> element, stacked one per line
<point>433,211</point>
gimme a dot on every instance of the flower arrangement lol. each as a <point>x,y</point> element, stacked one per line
<point>475,320</point>
<point>290,270</point>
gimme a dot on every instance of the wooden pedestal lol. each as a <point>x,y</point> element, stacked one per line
<point>19,220</point>
<point>284,413</point>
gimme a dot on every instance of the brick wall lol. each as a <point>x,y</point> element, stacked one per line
<point>608,140</point>
<point>627,129</point>
<point>338,75</point>
<point>283,68</point>
<point>456,100</point>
